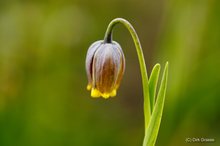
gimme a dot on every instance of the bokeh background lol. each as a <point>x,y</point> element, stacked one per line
<point>43,97</point>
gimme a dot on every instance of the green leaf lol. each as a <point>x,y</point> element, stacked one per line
<point>154,125</point>
<point>153,84</point>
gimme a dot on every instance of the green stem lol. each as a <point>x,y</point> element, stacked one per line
<point>108,39</point>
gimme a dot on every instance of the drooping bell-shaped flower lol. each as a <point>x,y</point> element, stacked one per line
<point>105,65</point>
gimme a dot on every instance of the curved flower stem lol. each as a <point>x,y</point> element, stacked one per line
<point>108,39</point>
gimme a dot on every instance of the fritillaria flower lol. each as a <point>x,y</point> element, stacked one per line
<point>105,64</point>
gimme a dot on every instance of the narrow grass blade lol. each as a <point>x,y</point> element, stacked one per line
<point>153,84</point>
<point>154,125</point>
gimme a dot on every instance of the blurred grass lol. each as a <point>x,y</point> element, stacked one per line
<point>43,97</point>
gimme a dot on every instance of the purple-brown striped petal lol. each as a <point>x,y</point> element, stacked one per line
<point>89,60</point>
<point>105,65</point>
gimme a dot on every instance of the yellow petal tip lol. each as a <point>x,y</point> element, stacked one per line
<point>105,95</point>
<point>113,93</point>
<point>89,87</point>
<point>95,93</point>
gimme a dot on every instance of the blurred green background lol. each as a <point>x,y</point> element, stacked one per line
<point>43,97</point>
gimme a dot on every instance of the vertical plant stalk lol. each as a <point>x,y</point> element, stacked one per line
<point>152,111</point>
<point>108,39</point>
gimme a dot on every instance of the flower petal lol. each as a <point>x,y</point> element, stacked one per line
<point>122,65</point>
<point>106,67</point>
<point>89,60</point>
